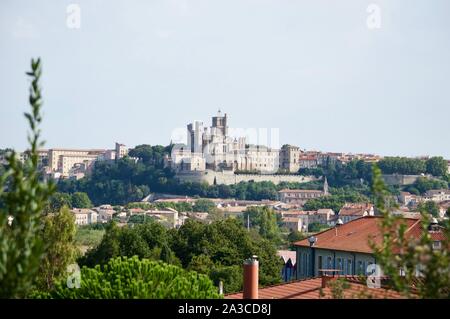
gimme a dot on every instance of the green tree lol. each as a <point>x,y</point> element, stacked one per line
<point>108,248</point>
<point>429,207</point>
<point>230,276</point>
<point>402,165</point>
<point>316,227</point>
<point>126,278</point>
<point>23,198</point>
<point>147,240</point>
<point>57,201</point>
<point>424,184</point>
<point>293,237</point>
<point>204,205</point>
<point>58,234</point>
<point>437,166</point>
<point>265,220</point>
<point>81,200</point>
<point>336,200</point>
<point>201,264</point>
<point>226,243</point>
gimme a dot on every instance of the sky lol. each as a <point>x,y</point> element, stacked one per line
<point>135,71</point>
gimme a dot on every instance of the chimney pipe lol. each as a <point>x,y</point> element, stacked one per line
<point>251,269</point>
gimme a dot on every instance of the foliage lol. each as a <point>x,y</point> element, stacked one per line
<point>336,200</point>
<point>204,205</point>
<point>316,227</point>
<point>125,180</point>
<point>337,287</point>
<point>141,205</point>
<point>58,234</point>
<point>88,236</point>
<point>230,276</point>
<point>23,198</point>
<point>402,165</point>
<point>126,278</point>
<point>429,207</point>
<point>147,240</point>
<point>317,172</point>
<point>264,220</point>
<point>397,251</point>
<point>197,246</point>
<point>437,166</point>
<point>226,243</point>
<point>352,173</point>
<point>424,184</point>
<point>121,181</point>
<point>57,201</point>
<point>293,237</point>
<point>80,200</point>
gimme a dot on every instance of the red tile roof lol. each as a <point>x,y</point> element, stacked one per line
<point>311,289</point>
<point>354,235</point>
<point>355,209</point>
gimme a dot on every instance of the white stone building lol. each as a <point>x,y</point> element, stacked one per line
<point>212,148</point>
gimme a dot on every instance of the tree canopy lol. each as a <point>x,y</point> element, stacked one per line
<point>127,278</point>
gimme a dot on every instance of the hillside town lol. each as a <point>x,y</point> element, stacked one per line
<point>331,233</point>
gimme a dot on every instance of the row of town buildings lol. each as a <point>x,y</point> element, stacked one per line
<point>106,213</point>
<point>213,148</point>
<point>74,163</point>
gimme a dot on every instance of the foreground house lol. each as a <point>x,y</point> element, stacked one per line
<point>321,288</point>
<point>345,249</point>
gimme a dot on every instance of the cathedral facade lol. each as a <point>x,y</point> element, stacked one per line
<point>212,148</point>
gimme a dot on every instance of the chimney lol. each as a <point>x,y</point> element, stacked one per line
<point>251,269</point>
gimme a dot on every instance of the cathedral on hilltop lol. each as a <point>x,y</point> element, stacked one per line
<point>212,148</point>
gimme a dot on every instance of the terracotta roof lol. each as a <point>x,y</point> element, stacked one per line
<point>354,209</point>
<point>290,219</point>
<point>354,235</point>
<point>325,211</point>
<point>299,212</point>
<point>311,289</point>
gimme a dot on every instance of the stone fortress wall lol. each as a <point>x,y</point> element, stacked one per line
<point>399,179</point>
<point>229,178</point>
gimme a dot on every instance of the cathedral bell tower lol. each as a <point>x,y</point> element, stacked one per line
<point>220,123</point>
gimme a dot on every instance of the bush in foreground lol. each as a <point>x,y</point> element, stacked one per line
<point>127,278</point>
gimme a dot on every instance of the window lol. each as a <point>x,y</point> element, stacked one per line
<point>349,267</point>
<point>360,267</point>
<point>340,265</point>
<point>304,264</point>
<point>436,244</point>
<point>329,262</point>
<point>319,263</point>
<point>308,264</point>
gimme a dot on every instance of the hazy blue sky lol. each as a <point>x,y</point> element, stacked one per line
<point>136,70</point>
